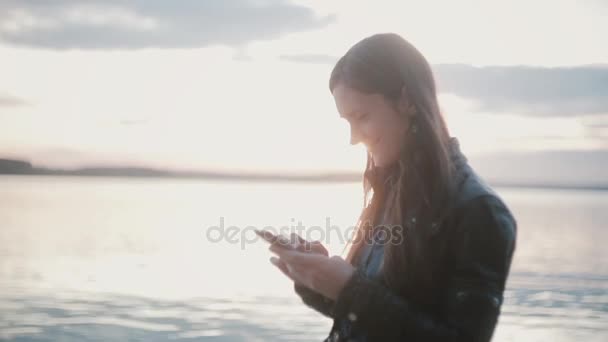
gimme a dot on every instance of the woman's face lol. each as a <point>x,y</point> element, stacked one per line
<point>374,121</point>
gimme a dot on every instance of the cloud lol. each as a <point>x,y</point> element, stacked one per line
<point>596,127</point>
<point>101,24</point>
<point>10,101</point>
<point>596,121</point>
<point>536,91</point>
<point>599,125</point>
<point>557,167</point>
<point>310,58</point>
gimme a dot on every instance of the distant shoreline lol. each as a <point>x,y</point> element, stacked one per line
<point>23,168</point>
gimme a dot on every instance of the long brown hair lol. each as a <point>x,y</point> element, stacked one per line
<point>386,64</point>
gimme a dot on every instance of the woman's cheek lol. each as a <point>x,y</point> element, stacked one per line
<point>373,133</point>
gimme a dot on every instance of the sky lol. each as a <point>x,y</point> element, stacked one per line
<point>241,85</point>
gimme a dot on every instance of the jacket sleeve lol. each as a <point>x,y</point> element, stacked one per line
<point>315,300</point>
<point>481,249</point>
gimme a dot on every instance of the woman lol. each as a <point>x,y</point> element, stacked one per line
<point>433,245</point>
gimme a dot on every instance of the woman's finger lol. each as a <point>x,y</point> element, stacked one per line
<point>297,258</point>
<point>308,246</point>
<point>291,272</point>
<point>299,243</point>
<point>281,266</point>
<point>297,274</point>
<point>317,247</point>
<point>280,249</point>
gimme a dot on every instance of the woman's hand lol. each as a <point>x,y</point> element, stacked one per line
<point>299,243</point>
<point>310,266</point>
<point>308,246</point>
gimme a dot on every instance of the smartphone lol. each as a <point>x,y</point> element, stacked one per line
<point>278,240</point>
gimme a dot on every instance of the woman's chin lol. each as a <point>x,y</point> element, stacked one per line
<point>383,161</point>
<point>378,161</point>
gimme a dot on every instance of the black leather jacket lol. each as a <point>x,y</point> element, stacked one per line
<point>480,233</point>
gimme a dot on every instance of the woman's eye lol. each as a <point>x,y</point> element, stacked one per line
<point>363,117</point>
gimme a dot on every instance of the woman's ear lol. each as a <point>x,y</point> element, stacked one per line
<point>403,104</point>
<point>406,106</point>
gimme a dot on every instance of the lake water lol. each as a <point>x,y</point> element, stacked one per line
<point>110,259</point>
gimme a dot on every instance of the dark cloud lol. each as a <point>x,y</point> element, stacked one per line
<point>536,91</point>
<point>99,24</point>
<point>10,101</point>
<point>557,167</point>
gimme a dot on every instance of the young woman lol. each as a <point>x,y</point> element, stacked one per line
<point>434,243</point>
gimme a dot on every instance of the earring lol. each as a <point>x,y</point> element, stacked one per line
<point>413,124</point>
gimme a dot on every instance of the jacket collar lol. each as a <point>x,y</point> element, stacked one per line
<point>459,161</point>
<point>457,157</point>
